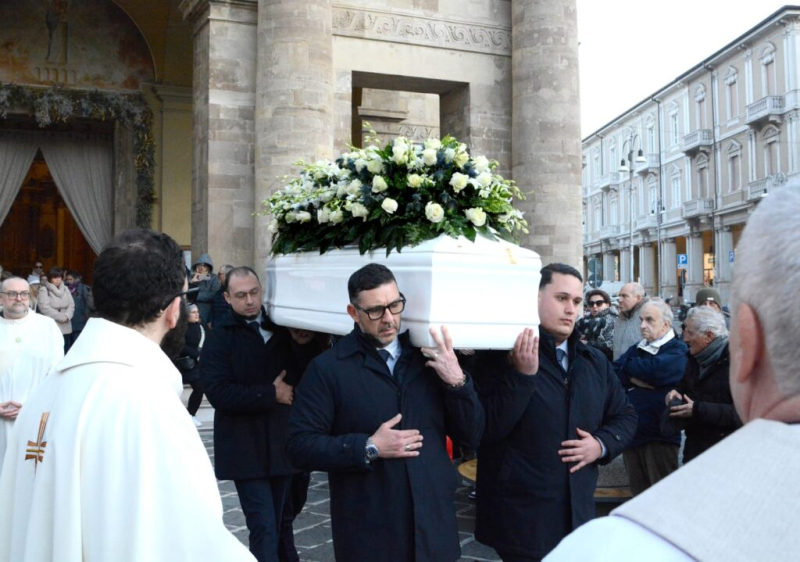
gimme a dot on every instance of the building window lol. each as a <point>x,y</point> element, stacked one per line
<point>702,183</point>
<point>732,93</point>
<point>768,76</point>
<point>676,192</point>
<point>614,216</point>
<point>596,166</point>
<point>674,133</point>
<point>653,200</point>
<point>734,173</point>
<point>612,156</point>
<point>598,213</point>
<point>651,139</point>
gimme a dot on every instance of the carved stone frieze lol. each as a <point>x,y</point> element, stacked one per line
<point>417,30</point>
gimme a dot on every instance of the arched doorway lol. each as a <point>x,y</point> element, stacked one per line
<point>40,226</point>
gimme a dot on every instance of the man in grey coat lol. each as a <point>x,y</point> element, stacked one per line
<point>626,329</point>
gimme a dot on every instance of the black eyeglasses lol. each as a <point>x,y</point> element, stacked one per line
<point>14,295</point>
<point>191,297</point>
<point>592,304</point>
<point>377,312</point>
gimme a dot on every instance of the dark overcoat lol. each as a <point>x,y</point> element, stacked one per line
<point>392,509</point>
<point>239,371</point>
<point>714,416</point>
<point>662,371</point>
<point>527,500</point>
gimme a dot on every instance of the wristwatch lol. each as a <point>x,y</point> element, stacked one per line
<point>371,451</point>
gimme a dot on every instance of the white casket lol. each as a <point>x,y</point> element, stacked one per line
<point>484,292</point>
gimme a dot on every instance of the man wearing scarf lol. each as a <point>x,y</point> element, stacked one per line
<point>649,370</point>
<point>707,413</point>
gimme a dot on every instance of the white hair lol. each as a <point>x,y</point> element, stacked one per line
<point>706,319</point>
<point>663,308</point>
<point>767,275</point>
<point>636,289</point>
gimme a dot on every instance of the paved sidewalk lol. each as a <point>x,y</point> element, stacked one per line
<point>312,528</point>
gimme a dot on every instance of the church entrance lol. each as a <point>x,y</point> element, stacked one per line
<point>39,226</point>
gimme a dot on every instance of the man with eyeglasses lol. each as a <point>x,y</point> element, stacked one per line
<point>104,462</point>
<point>30,347</point>
<point>246,366</point>
<point>373,412</point>
<point>597,329</point>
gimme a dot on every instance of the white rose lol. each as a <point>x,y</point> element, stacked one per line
<point>359,210</point>
<point>379,184</point>
<point>323,216</point>
<point>461,159</point>
<point>459,181</point>
<point>326,196</point>
<point>336,216</point>
<point>476,215</point>
<point>414,180</point>
<point>434,212</point>
<point>342,190</point>
<point>484,179</point>
<point>272,228</point>
<point>429,156</point>
<point>481,164</point>
<point>435,144</point>
<point>399,153</point>
<point>290,217</point>
<point>449,154</point>
<point>375,166</point>
<point>303,216</point>
<point>389,205</point>
<point>360,163</point>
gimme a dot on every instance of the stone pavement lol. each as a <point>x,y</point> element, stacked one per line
<point>312,528</point>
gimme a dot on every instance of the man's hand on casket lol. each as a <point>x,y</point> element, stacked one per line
<point>525,355</point>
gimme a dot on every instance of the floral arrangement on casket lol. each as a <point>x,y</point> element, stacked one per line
<point>394,197</point>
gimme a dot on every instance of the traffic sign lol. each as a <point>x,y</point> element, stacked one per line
<point>683,261</point>
<point>595,273</point>
<point>731,256</point>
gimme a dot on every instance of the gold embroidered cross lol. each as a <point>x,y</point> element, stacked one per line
<point>36,448</point>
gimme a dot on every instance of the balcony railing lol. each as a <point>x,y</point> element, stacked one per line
<point>609,231</point>
<point>769,108</point>
<point>699,140</point>
<point>651,166</point>
<point>603,181</point>
<point>701,207</point>
<point>647,222</point>
<point>759,188</point>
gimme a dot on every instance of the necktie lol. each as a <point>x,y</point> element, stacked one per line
<point>255,325</point>
<point>385,355</point>
<point>561,355</point>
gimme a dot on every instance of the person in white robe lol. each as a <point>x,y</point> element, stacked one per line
<point>30,347</point>
<point>104,463</point>
<point>737,501</point>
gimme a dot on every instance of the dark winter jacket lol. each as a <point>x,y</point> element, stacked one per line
<point>714,416</point>
<point>193,342</point>
<point>527,500</point>
<point>598,331</point>
<point>239,370</point>
<point>205,297</point>
<point>392,509</point>
<point>220,309</point>
<point>84,306</point>
<point>662,371</point>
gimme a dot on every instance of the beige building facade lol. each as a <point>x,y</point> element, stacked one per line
<point>669,184</point>
<point>242,89</point>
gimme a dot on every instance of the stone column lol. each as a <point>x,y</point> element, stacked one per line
<point>546,135</point>
<point>625,265</point>
<point>724,265</point>
<point>294,96</point>
<point>694,249</point>
<point>609,267</point>
<point>647,267</point>
<point>223,86</point>
<point>669,266</point>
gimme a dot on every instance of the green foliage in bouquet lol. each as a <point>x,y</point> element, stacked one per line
<point>397,196</point>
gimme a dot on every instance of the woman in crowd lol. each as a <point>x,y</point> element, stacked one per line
<point>707,412</point>
<point>189,362</point>
<point>56,301</point>
<point>204,278</point>
<point>84,302</point>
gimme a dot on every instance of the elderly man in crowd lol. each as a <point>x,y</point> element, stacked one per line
<point>649,369</point>
<point>597,329</point>
<point>627,329</point>
<point>30,347</point>
<point>554,414</point>
<point>738,500</point>
<point>373,412</point>
<point>104,463</point>
<point>707,413</point>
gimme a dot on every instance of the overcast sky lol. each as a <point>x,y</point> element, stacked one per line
<point>629,49</point>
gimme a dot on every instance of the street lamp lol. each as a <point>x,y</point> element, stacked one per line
<point>628,167</point>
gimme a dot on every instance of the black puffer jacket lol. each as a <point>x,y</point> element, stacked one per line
<point>713,416</point>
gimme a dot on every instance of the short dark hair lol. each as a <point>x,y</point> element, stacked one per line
<point>600,292</point>
<point>240,271</point>
<point>74,274</point>
<point>135,275</point>
<point>562,268</point>
<point>55,272</point>
<point>369,277</point>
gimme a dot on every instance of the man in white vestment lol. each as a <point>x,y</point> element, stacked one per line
<point>104,463</point>
<point>30,347</point>
<point>738,500</point>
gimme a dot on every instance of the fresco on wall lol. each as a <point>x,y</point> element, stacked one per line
<point>75,43</point>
